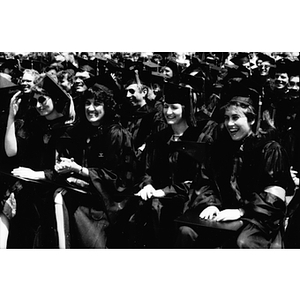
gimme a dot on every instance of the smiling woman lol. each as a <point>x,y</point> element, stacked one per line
<point>250,178</point>
<point>169,173</point>
<point>102,163</point>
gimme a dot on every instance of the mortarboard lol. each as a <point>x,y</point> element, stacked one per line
<point>294,69</point>
<point>265,58</point>
<point>241,92</point>
<point>53,89</point>
<point>193,76</point>
<point>283,66</point>
<point>240,58</point>
<point>175,93</point>
<point>5,84</point>
<point>34,64</point>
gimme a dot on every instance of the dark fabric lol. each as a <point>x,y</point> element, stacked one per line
<point>255,165</point>
<point>91,225</point>
<point>252,237</point>
<point>172,171</point>
<point>108,153</point>
<point>37,149</point>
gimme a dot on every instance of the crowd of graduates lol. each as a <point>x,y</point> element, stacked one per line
<point>108,149</point>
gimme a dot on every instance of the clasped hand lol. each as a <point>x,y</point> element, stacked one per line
<point>66,165</point>
<point>149,191</point>
<point>213,213</point>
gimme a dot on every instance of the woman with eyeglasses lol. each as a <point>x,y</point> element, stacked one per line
<point>103,166</point>
<point>46,141</point>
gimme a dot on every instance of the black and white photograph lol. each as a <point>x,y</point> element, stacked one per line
<point>153,155</point>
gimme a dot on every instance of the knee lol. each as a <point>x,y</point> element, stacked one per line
<point>187,231</point>
<point>186,237</point>
<point>243,242</point>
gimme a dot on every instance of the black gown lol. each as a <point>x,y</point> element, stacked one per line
<point>39,145</point>
<point>107,152</point>
<point>172,171</point>
<point>240,174</point>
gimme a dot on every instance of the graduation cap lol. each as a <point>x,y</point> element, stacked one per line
<point>173,65</point>
<point>34,64</point>
<point>47,83</point>
<point>193,76</point>
<point>265,58</point>
<point>283,66</point>
<point>10,63</point>
<point>240,58</point>
<point>294,69</point>
<point>5,84</point>
<point>175,93</point>
<point>241,92</point>
<point>93,66</point>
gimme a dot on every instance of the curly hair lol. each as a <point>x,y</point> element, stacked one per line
<point>103,94</point>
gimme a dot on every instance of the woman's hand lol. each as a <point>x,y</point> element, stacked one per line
<point>228,215</point>
<point>149,191</point>
<point>66,165</point>
<point>295,177</point>
<point>28,173</point>
<point>209,213</point>
<point>14,104</point>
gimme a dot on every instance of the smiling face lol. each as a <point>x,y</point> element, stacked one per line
<point>27,82</point>
<point>237,123</point>
<point>44,105</point>
<point>264,68</point>
<point>173,113</point>
<point>94,111</point>
<point>281,80</point>
<point>136,95</point>
<point>294,85</point>
<point>168,73</point>
<point>79,83</point>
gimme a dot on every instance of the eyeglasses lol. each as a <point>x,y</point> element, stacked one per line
<point>40,99</point>
<point>131,91</point>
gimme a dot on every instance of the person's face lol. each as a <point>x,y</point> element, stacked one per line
<point>236,123</point>
<point>94,111</point>
<point>168,73</point>
<point>52,73</point>
<point>58,57</point>
<point>294,85</point>
<point>173,113</point>
<point>65,83</point>
<point>27,82</point>
<point>135,95</point>
<point>281,80</point>
<point>44,105</point>
<point>79,83</point>
<point>264,68</point>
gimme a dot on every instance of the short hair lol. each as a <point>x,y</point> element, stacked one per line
<point>32,72</point>
<point>141,86</point>
<point>70,75</point>
<point>247,109</point>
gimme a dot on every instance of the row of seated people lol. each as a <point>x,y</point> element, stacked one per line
<point>76,178</point>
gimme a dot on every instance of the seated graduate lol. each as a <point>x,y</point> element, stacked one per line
<point>249,178</point>
<point>46,139</point>
<point>169,171</point>
<point>102,166</point>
